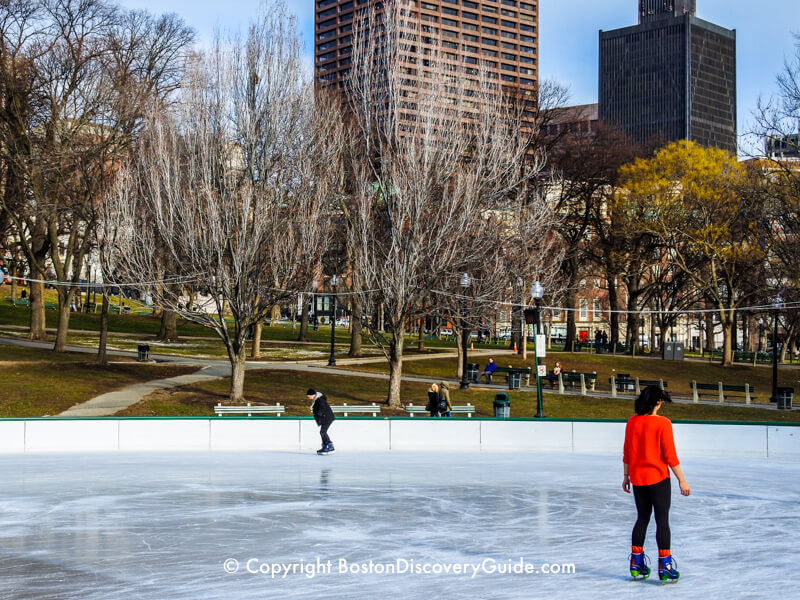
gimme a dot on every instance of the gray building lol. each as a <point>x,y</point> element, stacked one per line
<point>671,77</point>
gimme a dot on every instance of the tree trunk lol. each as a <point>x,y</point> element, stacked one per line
<point>303,337</point>
<point>421,338</point>
<point>14,283</point>
<point>256,351</point>
<point>275,315</point>
<point>102,355</point>
<point>64,298</point>
<point>238,358</point>
<point>516,337</point>
<point>727,342</point>
<point>355,327</point>
<point>38,330</point>
<point>169,327</point>
<point>709,327</point>
<point>396,368</point>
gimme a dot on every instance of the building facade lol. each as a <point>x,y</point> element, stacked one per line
<point>671,77</point>
<point>498,36</point>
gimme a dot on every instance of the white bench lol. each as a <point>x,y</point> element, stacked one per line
<point>344,409</point>
<point>418,409</point>
<point>249,410</point>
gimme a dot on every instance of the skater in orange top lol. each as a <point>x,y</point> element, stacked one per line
<point>648,455</point>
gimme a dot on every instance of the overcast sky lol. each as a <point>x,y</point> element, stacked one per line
<point>569,36</point>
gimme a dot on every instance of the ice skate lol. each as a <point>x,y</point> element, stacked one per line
<point>326,449</point>
<point>639,568</point>
<point>666,569</point>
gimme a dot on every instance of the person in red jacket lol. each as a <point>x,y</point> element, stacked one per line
<point>648,455</point>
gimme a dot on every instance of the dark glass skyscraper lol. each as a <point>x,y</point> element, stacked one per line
<point>671,77</point>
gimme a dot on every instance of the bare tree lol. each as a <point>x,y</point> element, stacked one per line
<point>430,162</point>
<point>233,184</point>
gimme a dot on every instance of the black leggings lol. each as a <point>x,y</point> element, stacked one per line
<point>648,498</point>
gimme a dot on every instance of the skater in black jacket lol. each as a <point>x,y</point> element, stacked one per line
<point>323,415</point>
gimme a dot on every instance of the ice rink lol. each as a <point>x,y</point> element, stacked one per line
<point>167,526</point>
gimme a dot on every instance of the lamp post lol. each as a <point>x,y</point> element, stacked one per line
<point>332,359</point>
<point>777,305</point>
<point>464,282</point>
<point>537,291</point>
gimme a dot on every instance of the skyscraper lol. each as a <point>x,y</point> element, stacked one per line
<point>671,77</point>
<point>499,36</point>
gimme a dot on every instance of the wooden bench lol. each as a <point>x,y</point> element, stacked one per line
<point>345,410</point>
<point>509,370</point>
<point>633,384</point>
<point>249,410</point>
<point>418,409</point>
<point>719,390</point>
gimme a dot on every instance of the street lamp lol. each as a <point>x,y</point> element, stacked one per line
<point>464,282</point>
<point>332,359</point>
<point>777,305</point>
<point>537,291</point>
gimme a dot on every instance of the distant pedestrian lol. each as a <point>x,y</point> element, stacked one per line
<point>433,400</point>
<point>445,407</point>
<point>324,417</point>
<point>489,371</point>
<point>605,341</point>
<point>648,452</point>
<point>24,294</point>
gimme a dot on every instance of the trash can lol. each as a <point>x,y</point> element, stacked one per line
<point>144,352</point>
<point>472,372</point>
<point>785,395</point>
<point>502,406</point>
<point>514,380</point>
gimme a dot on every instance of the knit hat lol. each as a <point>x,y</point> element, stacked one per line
<point>311,392</point>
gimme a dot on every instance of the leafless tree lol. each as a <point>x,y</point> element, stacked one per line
<point>232,184</point>
<point>430,162</point>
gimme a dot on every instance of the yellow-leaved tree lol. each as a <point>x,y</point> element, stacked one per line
<point>701,203</point>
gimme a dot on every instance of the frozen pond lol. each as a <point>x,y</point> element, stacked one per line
<point>166,526</point>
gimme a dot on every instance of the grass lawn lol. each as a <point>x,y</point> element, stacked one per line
<point>46,388</point>
<point>678,375</point>
<point>288,388</point>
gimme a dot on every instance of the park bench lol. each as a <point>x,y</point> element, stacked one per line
<point>525,372</point>
<point>22,302</point>
<point>586,381</point>
<point>249,410</point>
<point>622,383</point>
<point>345,410</point>
<point>719,389</point>
<point>418,409</point>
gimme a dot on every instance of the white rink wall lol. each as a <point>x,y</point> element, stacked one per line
<point>283,433</point>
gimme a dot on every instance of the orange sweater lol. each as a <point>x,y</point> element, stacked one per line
<point>649,449</point>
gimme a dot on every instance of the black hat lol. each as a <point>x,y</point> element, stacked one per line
<point>311,392</point>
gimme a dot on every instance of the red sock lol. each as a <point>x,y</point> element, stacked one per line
<point>664,553</point>
<point>637,549</point>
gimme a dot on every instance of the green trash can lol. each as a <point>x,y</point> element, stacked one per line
<point>502,406</point>
<point>514,380</point>
<point>472,372</point>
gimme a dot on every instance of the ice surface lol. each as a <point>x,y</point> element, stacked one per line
<point>161,526</point>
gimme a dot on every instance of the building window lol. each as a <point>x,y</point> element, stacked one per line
<point>596,310</point>
<point>584,309</point>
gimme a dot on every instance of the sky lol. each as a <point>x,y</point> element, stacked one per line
<point>568,36</point>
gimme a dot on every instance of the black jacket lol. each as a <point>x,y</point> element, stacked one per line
<point>433,402</point>
<point>323,413</point>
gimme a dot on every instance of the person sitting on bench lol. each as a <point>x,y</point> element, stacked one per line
<point>491,367</point>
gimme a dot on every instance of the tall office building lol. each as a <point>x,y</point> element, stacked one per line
<point>671,77</point>
<point>499,36</point>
